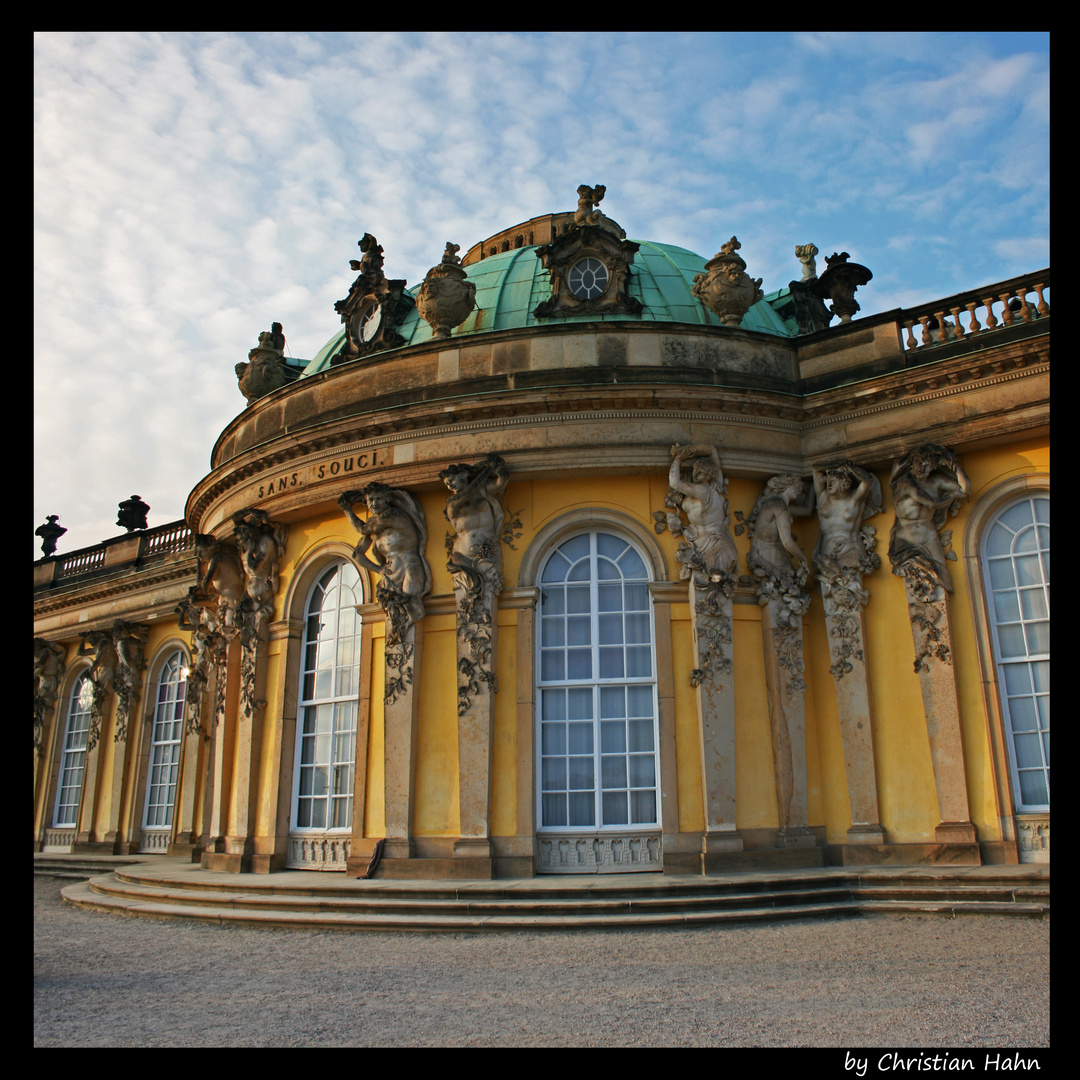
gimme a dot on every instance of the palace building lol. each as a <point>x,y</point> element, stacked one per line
<point>584,555</point>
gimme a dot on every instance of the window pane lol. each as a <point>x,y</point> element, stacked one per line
<point>326,739</point>
<point>594,646</point>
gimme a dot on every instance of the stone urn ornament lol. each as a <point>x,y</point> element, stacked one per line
<point>725,288</point>
<point>446,298</point>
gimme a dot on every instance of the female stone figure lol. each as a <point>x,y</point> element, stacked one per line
<point>710,549</point>
<point>773,547</point>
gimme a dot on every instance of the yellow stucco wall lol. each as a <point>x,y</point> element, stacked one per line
<point>905,778</point>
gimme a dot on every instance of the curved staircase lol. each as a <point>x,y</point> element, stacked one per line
<point>168,889</point>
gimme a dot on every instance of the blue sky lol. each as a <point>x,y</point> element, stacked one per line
<point>192,188</point>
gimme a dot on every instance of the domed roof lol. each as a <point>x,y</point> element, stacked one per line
<point>511,284</point>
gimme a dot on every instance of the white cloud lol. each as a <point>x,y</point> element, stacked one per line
<point>191,188</point>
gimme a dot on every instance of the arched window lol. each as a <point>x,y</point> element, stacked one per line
<point>73,754</point>
<point>1016,559</point>
<point>163,768</point>
<point>598,762</point>
<point>326,721</point>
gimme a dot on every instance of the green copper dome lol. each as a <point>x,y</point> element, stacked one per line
<point>511,284</point>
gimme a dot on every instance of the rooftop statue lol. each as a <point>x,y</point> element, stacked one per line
<point>50,532</point>
<point>265,369</point>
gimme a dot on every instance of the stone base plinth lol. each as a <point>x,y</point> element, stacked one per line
<point>721,843</point>
<point>903,855</point>
<point>457,869</point>
<point>472,848</point>
<point>866,834</point>
<point>799,858</point>
<point>796,837</point>
<point>955,832</point>
<point>226,863</point>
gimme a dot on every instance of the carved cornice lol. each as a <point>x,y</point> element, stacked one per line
<point>82,594</point>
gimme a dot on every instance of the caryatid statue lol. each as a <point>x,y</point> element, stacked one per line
<point>130,641</point>
<point>928,485</point>
<point>102,673</point>
<point>773,548</point>
<point>223,578</point>
<point>261,542</point>
<point>395,534</point>
<point>474,509</point>
<point>48,670</point>
<point>708,551</point>
<point>846,496</point>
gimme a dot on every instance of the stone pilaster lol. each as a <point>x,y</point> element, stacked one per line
<point>846,629</point>
<point>404,656</point>
<point>929,613</point>
<point>714,682</point>
<point>783,654</point>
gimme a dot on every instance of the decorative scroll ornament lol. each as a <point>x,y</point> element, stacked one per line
<point>375,305</point>
<point>446,298</point>
<point>839,284</point>
<point>130,641</point>
<point>395,534</point>
<point>48,671</point>
<point>707,551</point>
<point>725,288</point>
<point>589,264</point>
<point>265,369</point>
<point>474,510</point>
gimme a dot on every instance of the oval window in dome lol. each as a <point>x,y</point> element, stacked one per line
<point>588,278</point>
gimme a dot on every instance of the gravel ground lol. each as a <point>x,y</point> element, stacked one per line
<point>912,982</point>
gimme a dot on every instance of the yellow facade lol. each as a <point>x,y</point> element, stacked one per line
<point>235,805</point>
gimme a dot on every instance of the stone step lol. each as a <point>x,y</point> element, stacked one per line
<point>531,905</point>
<point>523,916</point>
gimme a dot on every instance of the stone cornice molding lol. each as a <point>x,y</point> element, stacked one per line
<point>81,594</point>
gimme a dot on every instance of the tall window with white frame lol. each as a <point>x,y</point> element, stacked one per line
<point>1016,557</point>
<point>163,768</point>
<point>326,724</point>
<point>598,737</point>
<point>73,754</point>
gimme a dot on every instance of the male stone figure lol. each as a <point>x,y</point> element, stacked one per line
<point>474,509</point>
<point>395,534</point>
<point>846,495</point>
<point>928,484</point>
<point>48,670</point>
<point>773,550</point>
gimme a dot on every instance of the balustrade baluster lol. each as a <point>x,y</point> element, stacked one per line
<point>927,336</point>
<point>910,340</point>
<point>1042,307</point>
<point>991,321</point>
<point>973,322</point>
<point>1025,309</point>
<point>1006,314</point>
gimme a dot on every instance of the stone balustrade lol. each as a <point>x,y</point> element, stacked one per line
<point>967,315</point>
<point>112,554</point>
